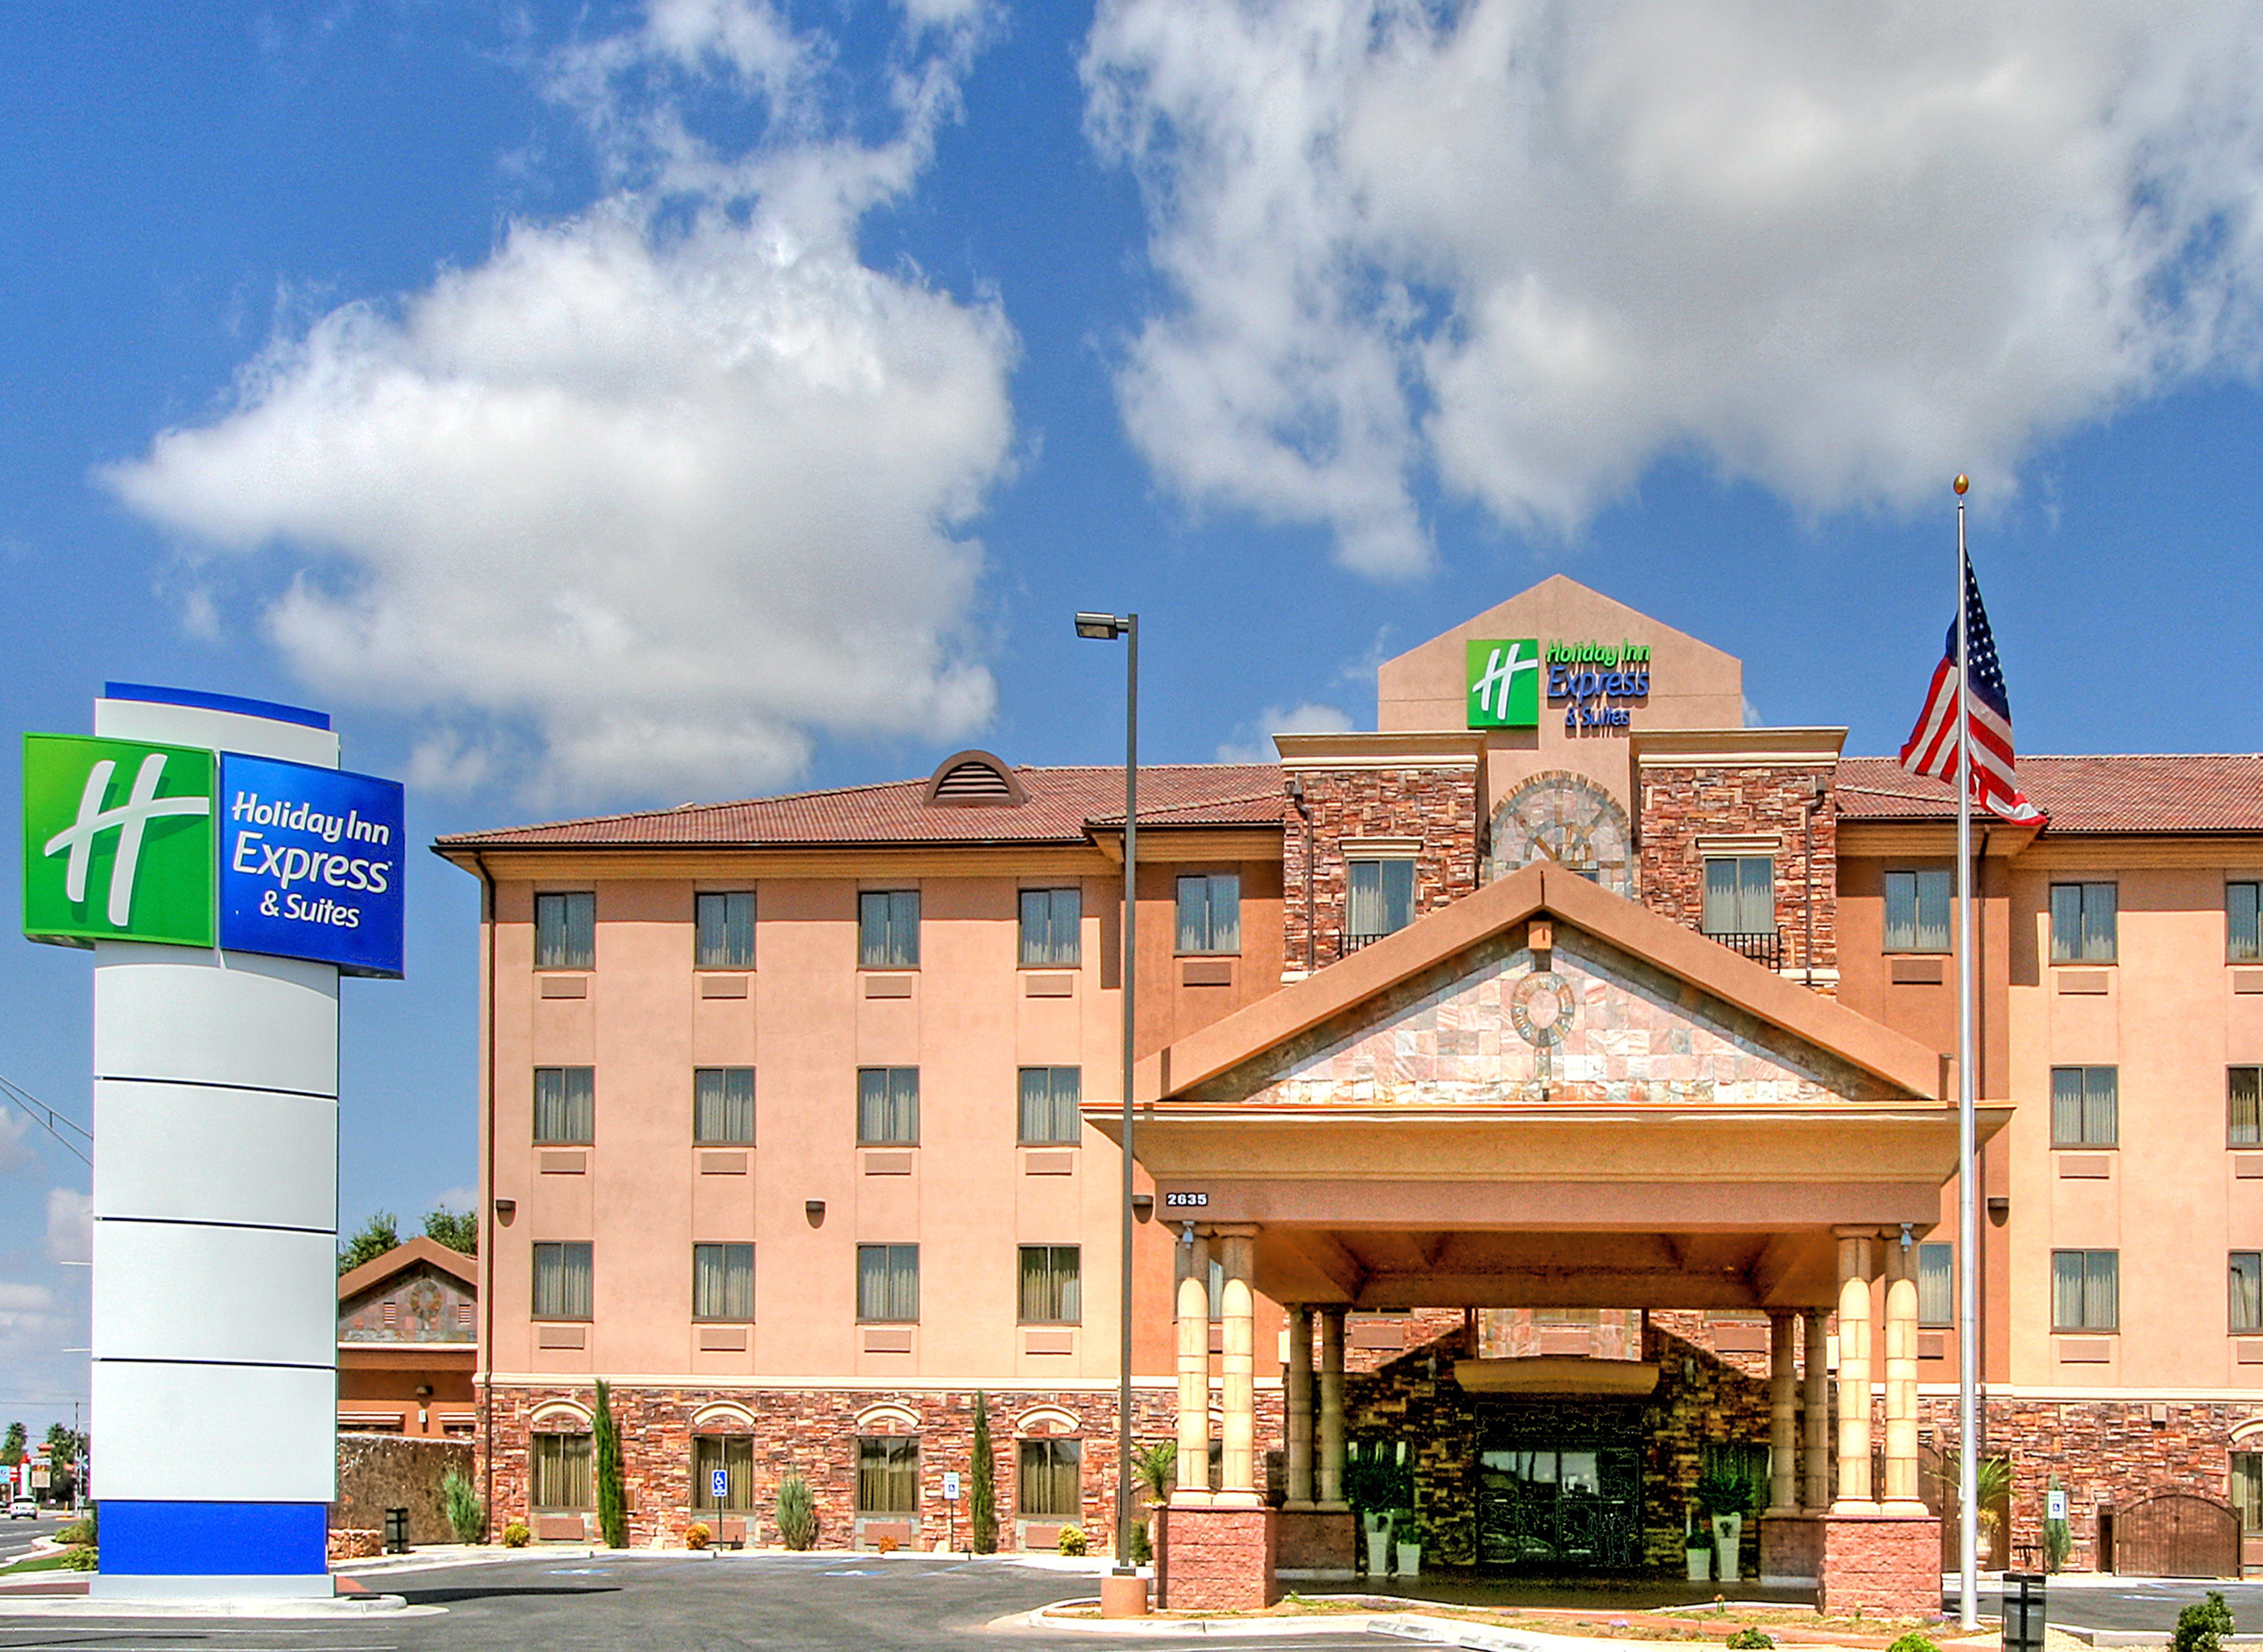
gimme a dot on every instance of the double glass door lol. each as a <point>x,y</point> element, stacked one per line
<point>1573,1507</point>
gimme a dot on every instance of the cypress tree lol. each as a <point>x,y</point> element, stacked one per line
<point>605,1446</point>
<point>982,1507</point>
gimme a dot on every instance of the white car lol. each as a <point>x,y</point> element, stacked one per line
<point>22,1509</point>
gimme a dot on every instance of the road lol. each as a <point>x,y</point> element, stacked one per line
<point>17,1536</point>
<point>2139,1603</point>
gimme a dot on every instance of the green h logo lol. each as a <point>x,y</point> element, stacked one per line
<point>1504,679</point>
<point>118,840</point>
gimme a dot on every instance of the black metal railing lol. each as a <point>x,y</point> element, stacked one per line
<point>1353,940</point>
<point>1763,947</point>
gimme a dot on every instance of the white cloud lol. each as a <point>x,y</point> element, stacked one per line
<point>1527,249</point>
<point>71,1226</point>
<point>456,1199</point>
<point>1253,742</point>
<point>654,493</point>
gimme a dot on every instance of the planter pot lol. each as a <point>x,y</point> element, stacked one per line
<point>1728,1533</point>
<point>1370,1522</point>
<point>1701,1564</point>
<point>1410,1560</point>
<point>1379,1554</point>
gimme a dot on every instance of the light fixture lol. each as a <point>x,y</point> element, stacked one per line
<point>1100,627</point>
<point>505,1209</point>
<point>814,1209</point>
<point>1143,1206</point>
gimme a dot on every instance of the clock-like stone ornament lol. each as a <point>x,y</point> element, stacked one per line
<point>1568,819</point>
<point>1541,1007</point>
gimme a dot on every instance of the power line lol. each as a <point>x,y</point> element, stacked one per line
<point>49,1119</point>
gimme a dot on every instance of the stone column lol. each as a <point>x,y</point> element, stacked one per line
<point>1238,1371</point>
<point>1299,1406</point>
<point>1856,1246</point>
<point>1902,1495</point>
<point>1783,1415</point>
<point>1816,1491</point>
<point>1193,1486</point>
<point>1331,1411</point>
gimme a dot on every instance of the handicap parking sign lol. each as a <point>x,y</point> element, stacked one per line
<point>719,1482</point>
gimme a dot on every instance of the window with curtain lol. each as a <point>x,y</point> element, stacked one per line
<point>887,1283</point>
<point>888,1107</point>
<point>1050,926</point>
<point>566,931</point>
<point>2085,1106</point>
<point>735,1455</point>
<point>1739,895</point>
<point>2243,934</point>
<point>2247,1489</point>
<point>1051,1292</point>
<point>562,1281</point>
<point>1936,1284</point>
<point>1046,1486</point>
<point>2247,1290</point>
<point>1210,913</point>
<point>1049,1096</point>
<point>2085,1290</point>
<point>723,926</point>
<point>723,1106</point>
<point>565,1106</point>
<point>723,1282</point>
<point>887,929</point>
<point>1917,911</point>
<point>2083,922</point>
<point>1382,899</point>
<point>887,1473</point>
<point>561,1471</point>
<point>2243,1122</point>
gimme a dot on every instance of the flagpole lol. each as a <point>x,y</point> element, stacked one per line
<point>1968,1226</point>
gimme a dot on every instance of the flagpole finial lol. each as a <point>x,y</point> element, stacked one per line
<point>1960,484</point>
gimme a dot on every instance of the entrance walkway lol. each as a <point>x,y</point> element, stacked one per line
<point>1571,1594</point>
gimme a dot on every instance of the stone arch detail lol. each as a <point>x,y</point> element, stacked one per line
<point>561,1417</point>
<point>723,1414</point>
<point>888,1419</point>
<point>1048,1420</point>
<point>1566,818</point>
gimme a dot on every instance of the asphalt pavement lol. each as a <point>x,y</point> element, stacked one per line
<point>17,1536</point>
<point>2135,1603</point>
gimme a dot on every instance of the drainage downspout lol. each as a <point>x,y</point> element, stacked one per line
<point>486,1201</point>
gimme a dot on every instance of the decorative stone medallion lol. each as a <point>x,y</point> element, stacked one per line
<point>1540,1008</point>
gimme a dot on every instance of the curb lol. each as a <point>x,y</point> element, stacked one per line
<point>1402,1626</point>
<point>338,1606</point>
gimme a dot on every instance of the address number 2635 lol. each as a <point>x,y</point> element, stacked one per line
<point>1185,1201</point>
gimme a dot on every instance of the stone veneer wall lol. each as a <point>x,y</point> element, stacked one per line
<point>376,1472</point>
<point>1437,806</point>
<point>1683,804</point>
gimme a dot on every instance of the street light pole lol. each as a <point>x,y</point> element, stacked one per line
<point>1101,627</point>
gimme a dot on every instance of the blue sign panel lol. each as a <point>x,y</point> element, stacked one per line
<point>719,1483</point>
<point>312,863</point>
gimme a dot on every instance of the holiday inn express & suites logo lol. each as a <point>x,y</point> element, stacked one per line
<point>1504,682</point>
<point>118,840</point>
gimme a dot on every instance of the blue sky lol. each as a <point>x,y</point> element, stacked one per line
<point>600,406</point>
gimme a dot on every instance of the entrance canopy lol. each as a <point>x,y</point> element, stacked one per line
<point>1546,1095</point>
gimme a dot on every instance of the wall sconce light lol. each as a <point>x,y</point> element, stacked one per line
<point>505,1209</point>
<point>1143,1206</point>
<point>814,1209</point>
<point>423,1390</point>
<point>1999,1211</point>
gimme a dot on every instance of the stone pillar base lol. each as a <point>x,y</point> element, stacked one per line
<point>1884,1563</point>
<point>1792,1550</point>
<point>1122,1596</point>
<point>1215,1560</point>
<point>1315,1546</point>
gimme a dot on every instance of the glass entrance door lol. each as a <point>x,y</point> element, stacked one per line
<point>1576,1508</point>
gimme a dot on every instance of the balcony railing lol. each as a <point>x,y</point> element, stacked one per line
<point>1353,940</point>
<point>1763,947</point>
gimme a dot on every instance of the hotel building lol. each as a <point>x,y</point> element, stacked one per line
<point>1551,1092</point>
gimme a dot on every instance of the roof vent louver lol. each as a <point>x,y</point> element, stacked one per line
<point>973,780</point>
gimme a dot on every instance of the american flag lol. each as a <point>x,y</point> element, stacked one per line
<point>1931,746</point>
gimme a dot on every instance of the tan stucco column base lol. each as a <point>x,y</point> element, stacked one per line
<point>1792,1550</point>
<point>1315,1546</point>
<point>1122,1596</point>
<point>1216,1558</point>
<point>1889,1564</point>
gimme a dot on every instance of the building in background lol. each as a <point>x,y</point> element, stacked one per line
<point>408,1342</point>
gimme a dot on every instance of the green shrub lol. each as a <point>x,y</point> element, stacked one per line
<point>796,1513</point>
<point>468,1516</point>
<point>516,1535</point>
<point>1143,1549</point>
<point>81,1559</point>
<point>605,1446</point>
<point>77,1534</point>
<point>1751,1640</point>
<point>1718,1491</point>
<point>1913,1643</point>
<point>2203,1627</point>
<point>983,1497</point>
<point>1072,1540</point>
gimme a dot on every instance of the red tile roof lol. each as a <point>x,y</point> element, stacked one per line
<point>1062,802</point>
<point>2175,793</point>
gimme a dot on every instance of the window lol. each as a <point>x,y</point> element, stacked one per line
<point>1382,899</point>
<point>1046,1487</point>
<point>1210,913</point>
<point>1936,1284</point>
<point>1049,1103</point>
<point>562,1281</point>
<point>723,1282</point>
<point>565,931</point>
<point>2082,923</point>
<point>723,1106</point>
<point>565,1105</point>
<point>887,929</point>
<point>723,928</point>
<point>1051,1294</point>
<point>735,1455</point>
<point>2084,1106</point>
<point>561,1474</point>
<point>888,1107</point>
<point>2085,1290</point>
<point>1739,895</point>
<point>887,1283</point>
<point>2247,1489</point>
<point>1917,912</point>
<point>887,1474</point>
<point>1050,922</point>
<point>2245,1125</point>
<point>2247,1290</point>
<point>2243,934</point>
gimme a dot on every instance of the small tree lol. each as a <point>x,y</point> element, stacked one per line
<point>458,1229</point>
<point>982,1504</point>
<point>2058,1541</point>
<point>12,1450</point>
<point>796,1513</point>
<point>605,1446</point>
<point>377,1236</point>
<point>2204,1626</point>
<point>468,1516</point>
